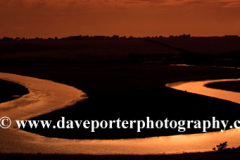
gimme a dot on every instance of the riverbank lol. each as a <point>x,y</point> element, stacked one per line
<point>46,96</point>
<point>230,86</point>
<point>130,91</point>
<point>10,91</point>
<point>194,156</point>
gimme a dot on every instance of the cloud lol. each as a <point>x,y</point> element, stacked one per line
<point>231,4</point>
<point>60,7</point>
<point>110,3</point>
<point>221,3</point>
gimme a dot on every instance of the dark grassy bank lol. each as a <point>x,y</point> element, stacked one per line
<point>230,85</point>
<point>130,91</point>
<point>10,91</point>
<point>123,79</point>
<point>196,156</point>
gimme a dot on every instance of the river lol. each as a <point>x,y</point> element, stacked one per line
<point>46,96</point>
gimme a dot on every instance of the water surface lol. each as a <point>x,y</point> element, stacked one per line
<point>46,96</point>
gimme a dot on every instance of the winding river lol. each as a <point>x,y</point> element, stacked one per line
<point>46,96</point>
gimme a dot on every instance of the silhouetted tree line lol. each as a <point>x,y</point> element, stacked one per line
<point>80,37</point>
<point>222,148</point>
<point>97,37</point>
<point>23,38</point>
<point>181,36</point>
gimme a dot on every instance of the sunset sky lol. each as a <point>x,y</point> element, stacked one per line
<point>50,18</point>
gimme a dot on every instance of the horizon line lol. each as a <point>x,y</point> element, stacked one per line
<point>113,37</point>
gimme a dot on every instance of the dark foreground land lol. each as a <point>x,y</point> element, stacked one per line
<point>230,86</point>
<point>125,78</point>
<point>195,156</point>
<point>10,91</point>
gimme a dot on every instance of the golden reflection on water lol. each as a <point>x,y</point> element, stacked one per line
<point>46,96</point>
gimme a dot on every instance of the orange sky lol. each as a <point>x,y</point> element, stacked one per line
<point>50,18</point>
